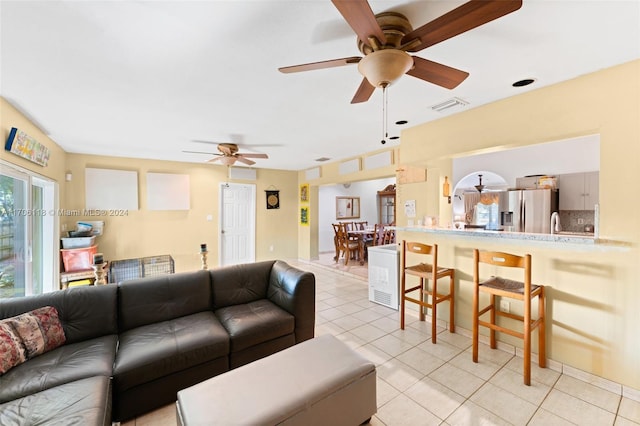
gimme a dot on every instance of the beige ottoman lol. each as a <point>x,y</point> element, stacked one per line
<point>318,382</point>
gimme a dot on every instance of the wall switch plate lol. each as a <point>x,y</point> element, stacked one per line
<point>504,306</point>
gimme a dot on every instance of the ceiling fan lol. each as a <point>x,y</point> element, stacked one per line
<point>229,155</point>
<point>384,40</point>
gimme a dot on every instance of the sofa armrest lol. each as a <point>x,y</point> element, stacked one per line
<point>295,292</point>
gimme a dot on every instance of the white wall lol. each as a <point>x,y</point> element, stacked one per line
<point>366,190</point>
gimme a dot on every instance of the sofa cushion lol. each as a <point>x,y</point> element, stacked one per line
<point>254,323</point>
<point>65,364</point>
<point>28,335</point>
<point>294,291</point>
<point>40,330</point>
<point>152,300</point>
<point>85,312</point>
<point>156,350</point>
<point>11,348</point>
<point>82,402</point>
<point>238,284</point>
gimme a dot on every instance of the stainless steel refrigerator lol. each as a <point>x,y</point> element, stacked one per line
<point>528,210</point>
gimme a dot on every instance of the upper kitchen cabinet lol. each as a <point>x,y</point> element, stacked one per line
<point>579,191</point>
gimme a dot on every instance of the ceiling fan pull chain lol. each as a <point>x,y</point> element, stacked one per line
<point>385,132</point>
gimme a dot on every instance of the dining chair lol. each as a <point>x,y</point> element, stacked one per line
<point>388,236</point>
<point>344,245</point>
<point>336,230</point>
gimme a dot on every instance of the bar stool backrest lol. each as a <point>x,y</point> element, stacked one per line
<point>501,259</point>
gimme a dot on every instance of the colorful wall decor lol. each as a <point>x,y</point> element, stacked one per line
<point>23,145</point>
<point>273,198</point>
<point>304,193</point>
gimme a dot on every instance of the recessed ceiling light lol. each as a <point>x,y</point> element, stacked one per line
<point>401,122</point>
<point>525,82</point>
<point>322,159</point>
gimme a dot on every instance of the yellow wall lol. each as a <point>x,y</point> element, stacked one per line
<point>330,174</point>
<point>179,233</point>
<point>593,294</point>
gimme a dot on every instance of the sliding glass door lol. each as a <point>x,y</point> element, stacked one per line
<point>28,246</point>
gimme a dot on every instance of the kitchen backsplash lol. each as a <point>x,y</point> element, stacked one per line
<point>569,219</point>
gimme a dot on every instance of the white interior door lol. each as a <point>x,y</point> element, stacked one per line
<point>237,224</point>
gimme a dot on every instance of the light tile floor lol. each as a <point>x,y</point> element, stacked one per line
<point>420,383</point>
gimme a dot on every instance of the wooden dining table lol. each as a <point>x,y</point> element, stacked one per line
<point>361,235</point>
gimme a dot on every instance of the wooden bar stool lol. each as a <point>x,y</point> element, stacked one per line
<point>502,287</point>
<point>426,271</point>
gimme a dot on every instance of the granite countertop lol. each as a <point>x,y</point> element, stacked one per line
<point>566,238</point>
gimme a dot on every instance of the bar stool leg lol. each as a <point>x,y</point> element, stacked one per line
<point>492,332</point>
<point>542,347</point>
<point>434,312</point>
<point>527,341</point>
<point>452,326</point>
<point>476,301</point>
<point>402,308</point>
<point>422,298</point>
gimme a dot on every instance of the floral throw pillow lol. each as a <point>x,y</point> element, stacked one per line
<point>30,334</point>
<point>12,352</point>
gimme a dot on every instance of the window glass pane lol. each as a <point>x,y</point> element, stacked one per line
<point>13,236</point>
<point>45,243</point>
<point>37,242</point>
<point>29,246</point>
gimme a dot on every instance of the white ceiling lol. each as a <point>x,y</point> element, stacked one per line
<point>144,78</point>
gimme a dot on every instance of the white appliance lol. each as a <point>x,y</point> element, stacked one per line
<point>384,264</point>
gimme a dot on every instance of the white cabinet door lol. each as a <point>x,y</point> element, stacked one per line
<point>591,190</point>
<point>579,191</point>
<point>571,191</point>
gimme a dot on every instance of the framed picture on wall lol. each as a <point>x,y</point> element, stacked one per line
<point>304,193</point>
<point>304,216</point>
<point>273,199</point>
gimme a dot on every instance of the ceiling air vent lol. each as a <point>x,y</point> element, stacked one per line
<point>455,103</point>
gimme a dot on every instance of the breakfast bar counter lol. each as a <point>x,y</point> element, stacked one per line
<point>573,240</point>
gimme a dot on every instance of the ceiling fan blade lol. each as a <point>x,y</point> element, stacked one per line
<point>207,142</point>
<point>364,92</point>
<point>360,17</point>
<point>214,159</point>
<point>436,73</point>
<point>463,18</point>
<point>320,65</point>
<point>200,152</point>
<point>250,155</point>
<point>244,160</point>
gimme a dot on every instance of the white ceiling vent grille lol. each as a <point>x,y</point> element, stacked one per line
<point>453,103</point>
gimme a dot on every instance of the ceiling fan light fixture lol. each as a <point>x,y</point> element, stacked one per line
<point>228,161</point>
<point>383,67</point>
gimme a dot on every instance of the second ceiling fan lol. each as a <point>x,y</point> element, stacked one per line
<point>384,40</point>
<point>229,155</point>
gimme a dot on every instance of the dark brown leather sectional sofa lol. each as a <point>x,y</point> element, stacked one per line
<point>131,347</point>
